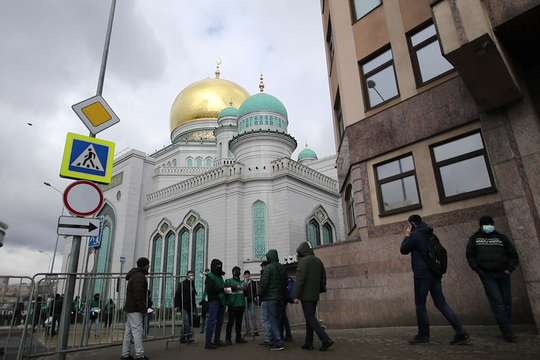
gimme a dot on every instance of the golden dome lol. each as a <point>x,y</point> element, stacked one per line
<point>204,99</point>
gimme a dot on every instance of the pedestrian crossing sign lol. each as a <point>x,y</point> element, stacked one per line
<point>87,158</point>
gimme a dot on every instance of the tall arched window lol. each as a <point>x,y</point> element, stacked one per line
<point>169,268</point>
<point>314,236</point>
<point>174,162</point>
<point>327,234</point>
<point>199,162</point>
<point>198,257</point>
<point>189,162</point>
<point>183,252</point>
<point>156,261</point>
<point>259,230</point>
<point>102,258</point>
<point>208,162</point>
<point>320,229</point>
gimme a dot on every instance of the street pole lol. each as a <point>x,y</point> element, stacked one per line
<point>57,236</point>
<point>49,266</point>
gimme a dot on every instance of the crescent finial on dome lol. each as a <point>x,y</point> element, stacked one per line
<point>261,84</point>
<point>306,144</point>
<point>230,102</point>
<point>217,70</point>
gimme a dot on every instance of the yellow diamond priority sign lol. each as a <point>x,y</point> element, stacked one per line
<point>96,114</point>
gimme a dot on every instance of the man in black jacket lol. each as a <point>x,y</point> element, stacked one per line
<point>493,257</point>
<point>184,299</point>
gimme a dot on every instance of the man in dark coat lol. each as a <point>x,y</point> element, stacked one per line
<point>184,299</point>
<point>272,291</point>
<point>136,309</point>
<point>415,243</point>
<point>310,274</point>
<point>493,257</point>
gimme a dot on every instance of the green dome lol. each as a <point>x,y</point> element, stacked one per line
<point>307,153</point>
<point>228,111</point>
<point>262,102</point>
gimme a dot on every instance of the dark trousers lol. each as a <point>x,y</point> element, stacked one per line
<point>312,324</point>
<point>499,293</point>
<point>235,317</point>
<point>108,319</point>
<point>285,326</point>
<point>55,319</point>
<point>214,321</point>
<point>434,287</point>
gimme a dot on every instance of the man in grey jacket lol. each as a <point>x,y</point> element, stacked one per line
<point>310,275</point>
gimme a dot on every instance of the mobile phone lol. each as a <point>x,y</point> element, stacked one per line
<point>412,226</point>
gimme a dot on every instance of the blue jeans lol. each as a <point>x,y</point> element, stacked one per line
<point>312,324</point>
<point>268,336</point>
<point>499,293</point>
<point>434,287</point>
<point>214,321</point>
<point>273,310</point>
<point>186,321</point>
<point>250,313</point>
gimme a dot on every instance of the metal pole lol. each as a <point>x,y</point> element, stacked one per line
<point>57,236</point>
<point>106,50</point>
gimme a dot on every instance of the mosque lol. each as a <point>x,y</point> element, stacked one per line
<point>226,187</point>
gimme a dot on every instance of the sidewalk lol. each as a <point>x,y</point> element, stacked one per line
<point>375,343</point>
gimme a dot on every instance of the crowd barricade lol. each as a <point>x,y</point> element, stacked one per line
<point>29,326</point>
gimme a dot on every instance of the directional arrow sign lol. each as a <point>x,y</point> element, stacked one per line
<point>75,226</point>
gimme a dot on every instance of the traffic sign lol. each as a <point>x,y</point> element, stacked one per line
<point>96,114</point>
<point>83,198</point>
<point>87,158</point>
<point>95,241</point>
<point>77,226</point>
<point>122,260</point>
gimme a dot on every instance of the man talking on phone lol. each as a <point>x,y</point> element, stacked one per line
<point>425,281</point>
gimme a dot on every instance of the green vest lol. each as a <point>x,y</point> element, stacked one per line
<point>236,299</point>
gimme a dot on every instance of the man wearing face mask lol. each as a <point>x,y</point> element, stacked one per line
<point>215,290</point>
<point>235,308</point>
<point>184,298</point>
<point>493,257</point>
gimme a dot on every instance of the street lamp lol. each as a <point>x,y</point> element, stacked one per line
<point>372,85</point>
<point>50,259</point>
<point>57,236</point>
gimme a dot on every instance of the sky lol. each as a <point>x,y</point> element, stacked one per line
<point>51,54</point>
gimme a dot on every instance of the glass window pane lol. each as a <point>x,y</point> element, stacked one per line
<point>362,7</point>
<point>395,167</point>
<point>431,61</point>
<point>378,61</point>
<point>400,193</point>
<point>423,35</point>
<point>382,86</point>
<point>459,147</point>
<point>465,176</point>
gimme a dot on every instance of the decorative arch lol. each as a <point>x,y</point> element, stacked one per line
<point>104,251</point>
<point>208,162</point>
<point>259,229</point>
<point>320,228</point>
<point>199,161</point>
<point>189,162</point>
<point>162,252</point>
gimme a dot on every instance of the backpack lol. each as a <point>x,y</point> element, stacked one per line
<point>290,290</point>
<point>437,257</point>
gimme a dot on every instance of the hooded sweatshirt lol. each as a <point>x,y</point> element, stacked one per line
<point>274,279</point>
<point>309,274</point>
<point>491,252</point>
<point>416,245</point>
<point>136,299</point>
<point>214,283</point>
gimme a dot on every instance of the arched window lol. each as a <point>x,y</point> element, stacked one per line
<point>168,163</point>
<point>156,264</point>
<point>169,268</point>
<point>104,252</point>
<point>101,266</point>
<point>220,150</point>
<point>259,230</point>
<point>314,235</point>
<point>208,162</point>
<point>199,162</point>
<point>198,257</point>
<point>327,234</point>
<point>183,251</point>
<point>349,200</point>
<point>174,162</point>
<point>189,162</point>
<point>320,229</point>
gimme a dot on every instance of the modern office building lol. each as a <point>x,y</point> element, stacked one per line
<point>436,113</point>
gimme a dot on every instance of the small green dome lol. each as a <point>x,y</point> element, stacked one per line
<point>307,153</point>
<point>228,111</point>
<point>262,102</point>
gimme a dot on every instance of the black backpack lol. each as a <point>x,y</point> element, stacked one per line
<point>437,257</point>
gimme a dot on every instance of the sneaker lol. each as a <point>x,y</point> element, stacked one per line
<point>228,342</point>
<point>127,357</point>
<point>460,339</point>
<point>276,347</point>
<point>326,345</point>
<point>265,343</point>
<point>210,346</point>
<point>219,343</point>
<point>418,339</point>
<point>307,347</point>
<point>241,341</point>
<point>510,337</point>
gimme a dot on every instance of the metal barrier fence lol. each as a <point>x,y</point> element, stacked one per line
<point>30,311</point>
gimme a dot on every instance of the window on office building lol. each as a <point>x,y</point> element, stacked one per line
<point>361,8</point>
<point>339,115</point>
<point>379,79</point>
<point>427,59</point>
<point>462,168</point>
<point>397,188</point>
<point>330,42</point>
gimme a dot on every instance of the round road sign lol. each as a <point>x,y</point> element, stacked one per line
<point>83,198</point>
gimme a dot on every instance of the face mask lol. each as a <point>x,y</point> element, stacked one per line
<point>236,273</point>
<point>190,278</point>
<point>488,228</point>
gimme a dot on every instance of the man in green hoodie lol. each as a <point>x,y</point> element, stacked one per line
<point>310,275</point>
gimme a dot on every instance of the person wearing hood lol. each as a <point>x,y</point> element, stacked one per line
<point>184,299</point>
<point>310,274</point>
<point>236,305</point>
<point>272,291</point>
<point>493,257</point>
<point>215,291</point>
<point>136,309</point>
<point>415,243</point>
<point>95,309</point>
